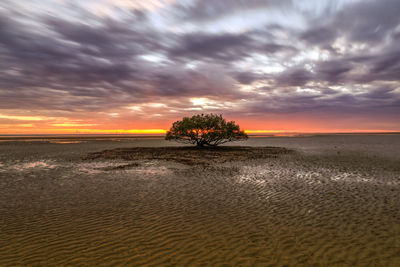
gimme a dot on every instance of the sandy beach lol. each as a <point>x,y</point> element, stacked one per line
<point>330,200</point>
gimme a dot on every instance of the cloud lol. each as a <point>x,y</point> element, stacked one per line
<point>224,47</point>
<point>203,10</point>
<point>319,35</point>
<point>368,21</point>
<point>87,63</point>
<point>296,76</point>
<point>332,71</point>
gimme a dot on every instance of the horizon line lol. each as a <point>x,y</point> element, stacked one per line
<point>160,132</point>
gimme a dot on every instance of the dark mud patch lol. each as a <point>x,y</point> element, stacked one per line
<point>191,155</point>
<point>120,167</point>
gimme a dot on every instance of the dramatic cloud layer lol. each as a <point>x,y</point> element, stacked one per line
<point>269,64</point>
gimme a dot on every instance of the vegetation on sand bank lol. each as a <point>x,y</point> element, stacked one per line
<point>205,130</point>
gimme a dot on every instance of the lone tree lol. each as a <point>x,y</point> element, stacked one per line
<point>205,130</point>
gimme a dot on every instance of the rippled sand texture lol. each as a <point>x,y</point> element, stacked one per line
<point>294,209</point>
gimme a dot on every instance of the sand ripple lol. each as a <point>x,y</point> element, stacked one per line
<point>288,210</point>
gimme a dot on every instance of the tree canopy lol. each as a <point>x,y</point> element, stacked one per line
<point>205,130</point>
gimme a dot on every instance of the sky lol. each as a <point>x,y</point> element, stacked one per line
<point>119,66</point>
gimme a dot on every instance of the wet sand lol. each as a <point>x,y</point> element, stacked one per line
<point>312,201</point>
<point>192,156</point>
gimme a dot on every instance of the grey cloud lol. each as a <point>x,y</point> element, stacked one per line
<point>271,48</point>
<point>388,61</point>
<point>92,68</point>
<point>203,10</point>
<point>246,77</point>
<point>225,47</point>
<point>332,71</point>
<point>296,76</point>
<point>319,35</point>
<point>376,101</point>
<point>369,21</point>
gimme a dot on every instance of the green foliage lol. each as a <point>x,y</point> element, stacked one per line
<point>205,130</point>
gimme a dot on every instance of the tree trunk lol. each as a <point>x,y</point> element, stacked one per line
<point>200,144</point>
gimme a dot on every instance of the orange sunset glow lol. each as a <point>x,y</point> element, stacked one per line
<point>45,125</point>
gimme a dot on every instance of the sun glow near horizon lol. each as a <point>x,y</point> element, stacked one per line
<point>159,125</point>
<point>15,129</point>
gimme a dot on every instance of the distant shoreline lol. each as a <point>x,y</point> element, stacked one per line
<point>44,137</point>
